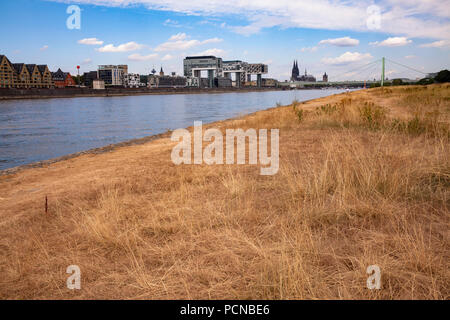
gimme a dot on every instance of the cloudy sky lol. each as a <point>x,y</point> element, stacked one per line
<point>339,37</point>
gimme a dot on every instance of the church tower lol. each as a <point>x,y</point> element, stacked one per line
<point>295,71</point>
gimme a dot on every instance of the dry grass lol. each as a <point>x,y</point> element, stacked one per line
<point>364,179</point>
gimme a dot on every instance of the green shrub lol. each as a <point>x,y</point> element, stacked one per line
<point>327,109</point>
<point>372,115</point>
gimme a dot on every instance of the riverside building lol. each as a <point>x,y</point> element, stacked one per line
<point>20,75</point>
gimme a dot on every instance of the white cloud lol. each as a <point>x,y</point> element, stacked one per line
<point>309,49</point>
<point>341,42</point>
<point>211,52</point>
<point>411,18</point>
<point>87,61</point>
<point>410,57</point>
<point>181,41</point>
<point>167,57</point>
<point>436,44</point>
<point>177,45</point>
<point>346,58</point>
<point>178,37</point>
<point>44,48</point>
<point>172,23</point>
<point>139,57</point>
<point>91,42</point>
<point>392,42</point>
<point>212,40</point>
<point>129,46</point>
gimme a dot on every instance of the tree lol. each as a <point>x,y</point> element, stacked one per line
<point>144,79</point>
<point>75,78</point>
<point>397,82</point>
<point>442,76</point>
<point>425,81</point>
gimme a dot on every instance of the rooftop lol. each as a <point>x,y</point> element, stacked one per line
<point>200,57</point>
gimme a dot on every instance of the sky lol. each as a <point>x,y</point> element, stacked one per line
<point>339,37</point>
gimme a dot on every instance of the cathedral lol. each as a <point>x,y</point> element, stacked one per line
<point>297,77</point>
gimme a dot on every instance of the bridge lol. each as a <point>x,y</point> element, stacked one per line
<point>368,73</point>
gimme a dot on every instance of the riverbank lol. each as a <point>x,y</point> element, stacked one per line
<point>363,180</point>
<point>16,94</point>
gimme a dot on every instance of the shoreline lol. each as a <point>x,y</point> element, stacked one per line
<point>114,146</point>
<point>33,94</point>
<point>127,143</point>
<point>141,227</point>
<point>93,151</point>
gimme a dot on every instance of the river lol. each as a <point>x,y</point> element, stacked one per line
<point>42,129</point>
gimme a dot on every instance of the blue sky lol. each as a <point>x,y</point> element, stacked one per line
<point>324,36</point>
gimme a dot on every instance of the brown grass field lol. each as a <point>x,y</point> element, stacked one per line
<point>364,179</point>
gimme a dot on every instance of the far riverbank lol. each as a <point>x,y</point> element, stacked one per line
<point>11,94</point>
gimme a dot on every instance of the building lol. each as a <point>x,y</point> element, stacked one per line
<point>20,75</point>
<point>46,76</point>
<point>8,75</point>
<point>161,73</point>
<point>192,82</point>
<point>325,77</point>
<point>132,80</point>
<point>123,67</point>
<point>295,75</point>
<point>170,82</point>
<point>157,81</point>
<point>268,82</point>
<point>237,67</point>
<point>223,82</point>
<point>112,75</point>
<point>62,79</point>
<point>98,84</point>
<point>89,77</point>
<point>23,78</point>
<point>295,72</point>
<point>194,65</point>
<point>216,68</point>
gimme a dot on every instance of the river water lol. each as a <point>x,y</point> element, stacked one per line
<point>36,130</point>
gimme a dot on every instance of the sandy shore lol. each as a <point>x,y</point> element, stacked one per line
<point>363,180</point>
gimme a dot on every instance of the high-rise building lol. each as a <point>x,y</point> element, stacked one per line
<point>216,69</point>
<point>112,75</point>
<point>193,65</point>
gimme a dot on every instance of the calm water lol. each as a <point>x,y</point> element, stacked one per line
<point>35,130</point>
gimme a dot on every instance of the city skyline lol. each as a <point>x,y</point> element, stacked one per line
<point>152,33</point>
